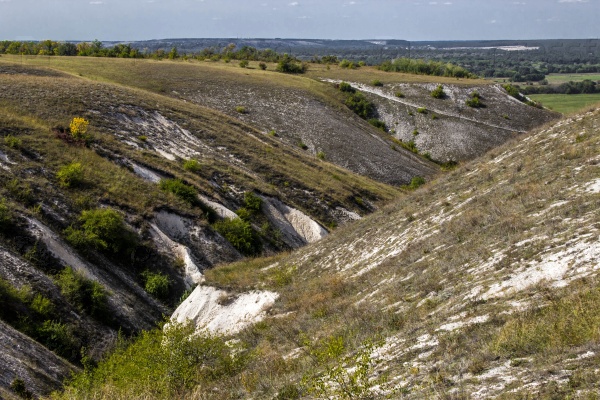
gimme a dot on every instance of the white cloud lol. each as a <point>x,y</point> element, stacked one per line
<point>96,3</point>
<point>448,3</point>
<point>493,21</point>
<point>294,4</point>
<point>573,1</point>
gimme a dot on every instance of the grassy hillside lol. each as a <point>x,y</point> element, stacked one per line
<point>186,166</point>
<point>481,284</point>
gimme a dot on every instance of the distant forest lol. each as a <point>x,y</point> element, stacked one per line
<point>515,61</point>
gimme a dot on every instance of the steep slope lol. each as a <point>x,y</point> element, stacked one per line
<point>455,280</point>
<point>447,128</point>
<point>89,243</point>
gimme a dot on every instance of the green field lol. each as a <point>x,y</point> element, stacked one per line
<point>566,103</point>
<point>557,79</point>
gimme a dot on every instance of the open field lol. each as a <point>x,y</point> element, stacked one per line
<point>557,79</point>
<point>566,103</point>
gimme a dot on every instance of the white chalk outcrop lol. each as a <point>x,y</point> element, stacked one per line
<point>297,228</point>
<point>214,310</point>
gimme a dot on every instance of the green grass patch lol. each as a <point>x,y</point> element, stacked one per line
<point>557,79</point>
<point>566,103</point>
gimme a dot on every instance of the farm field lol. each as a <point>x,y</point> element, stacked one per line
<point>566,103</point>
<point>557,79</point>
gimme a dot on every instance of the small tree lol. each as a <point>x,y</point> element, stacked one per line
<point>70,175</point>
<point>438,92</point>
<point>244,63</point>
<point>78,128</point>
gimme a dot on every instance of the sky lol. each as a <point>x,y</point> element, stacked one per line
<point>130,20</point>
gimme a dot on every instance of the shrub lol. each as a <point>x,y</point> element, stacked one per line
<point>157,284</point>
<point>399,94</point>
<point>12,141</point>
<point>18,386</point>
<point>346,87</point>
<point>438,92</point>
<point>70,175</point>
<point>422,110</point>
<point>102,229</point>
<point>240,234</point>
<point>416,182</point>
<point>5,214</point>
<point>321,155</point>
<point>252,202</point>
<point>78,128</point>
<point>376,82</point>
<point>244,63</point>
<point>378,124</point>
<point>348,64</point>
<point>84,294</point>
<point>185,192</point>
<point>290,66</point>
<point>358,103</point>
<point>302,145</point>
<point>241,110</point>
<point>192,165</point>
<point>262,66</point>
<point>59,338</point>
<point>475,100</point>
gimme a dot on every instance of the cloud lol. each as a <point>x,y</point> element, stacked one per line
<point>96,3</point>
<point>448,3</point>
<point>294,4</point>
<point>493,21</point>
<point>573,1</point>
<point>304,17</point>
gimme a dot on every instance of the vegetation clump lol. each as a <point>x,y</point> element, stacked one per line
<point>474,100</point>
<point>192,165</point>
<point>157,284</point>
<point>12,142</point>
<point>290,65</point>
<point>70,175</point>
<point>422,67</point>
<point>240,234</point>
<point>378,124</point>
<point>78,128</point>
<point>102,229</point>
<point>438,92</point>
<point>85,294</point>
<point>346,87</point>
<point>180,189</point>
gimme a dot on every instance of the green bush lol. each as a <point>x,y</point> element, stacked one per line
<point>185,192</point>
<point>378,124</point>
<point>422,110</point>
<point>240,234</point>
<point>252,202</point>
<point>241,110</point>
<point>59,338</point>
<point>262,66</point>
<point>346,87</point>
<point>289,65</point>
<point>416,182</point>
<point>244,63</point>
<point>12,141</point>
<point>18,386</point>
<point>475,100</point>
<point>84,294</point>
<point>5,215</point>
<point>192,165</point>
<point>321,155</point>
<point>438,92</point>
<point>102,229</point>
<point>161,364</point>
<point>348,64</point>
<point>358,103</point>
<point>70,175</point>
<point>157,284</point>
<point>376,82</point>
<point>399,94</point>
